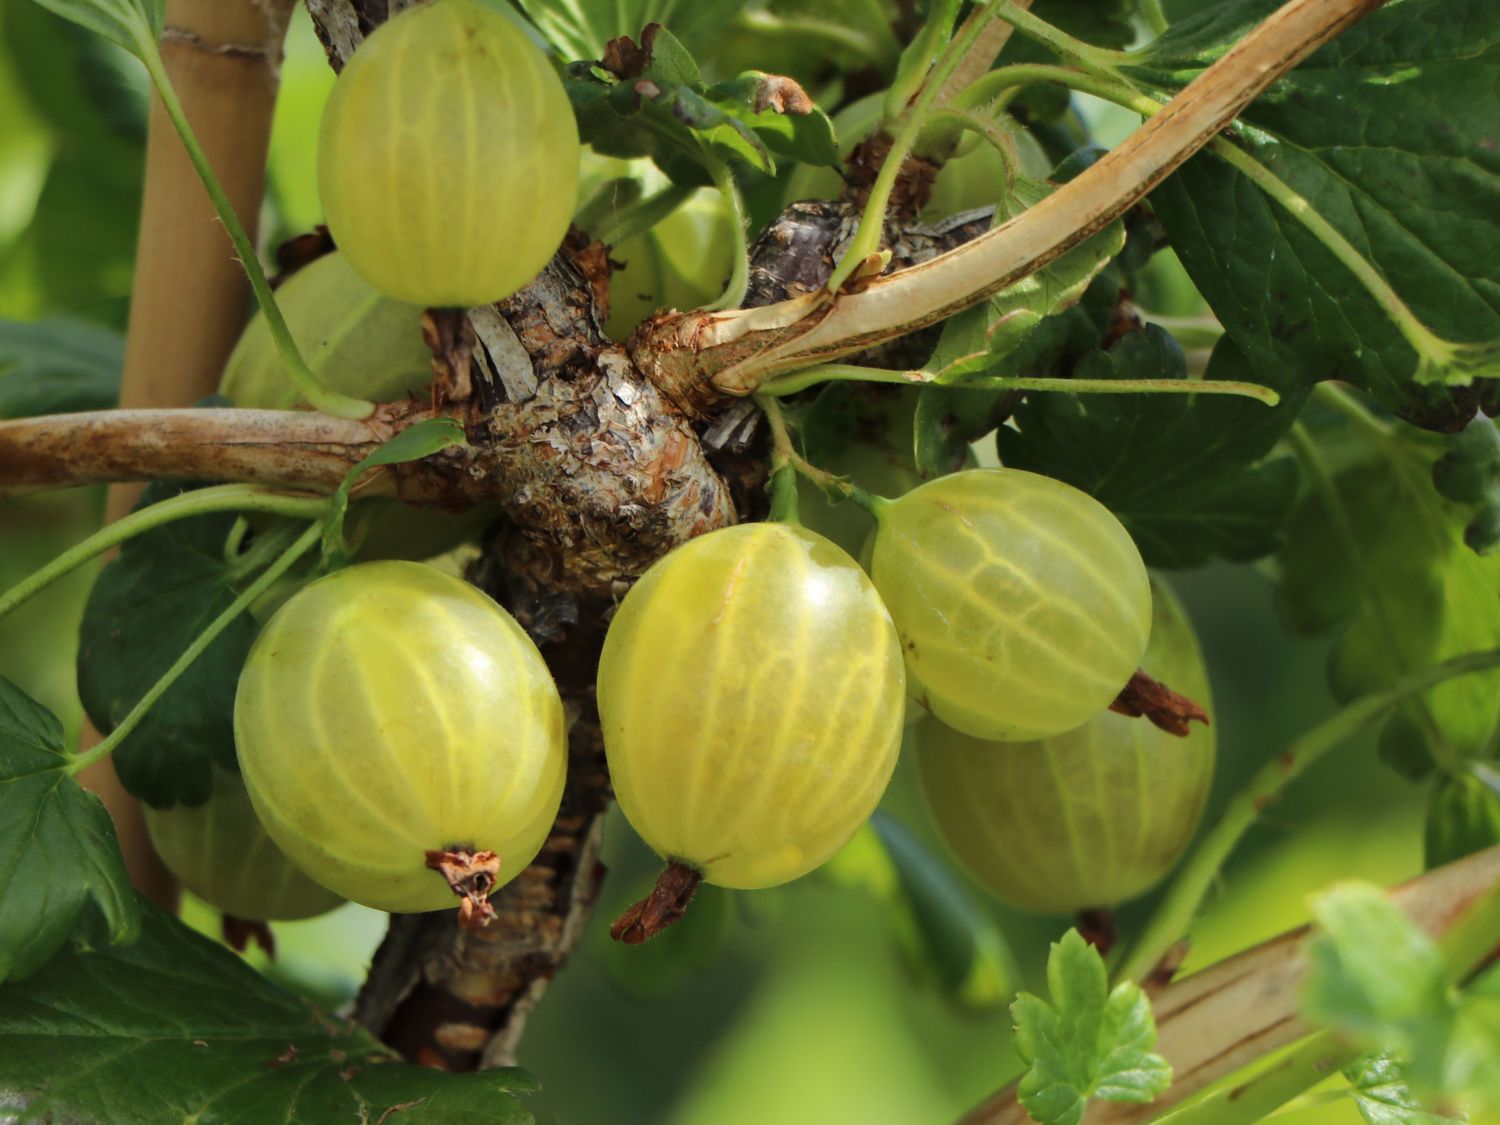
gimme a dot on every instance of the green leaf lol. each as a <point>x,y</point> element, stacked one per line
<point>147,607</point>
<point>1463,815</point>
<point>178,1028</point>
<point>125,22</point>
<point>427,437</point>
<point>73,248</point>
<point>981,339</point>
<point>1384,1098</point>
<point>58,366</point>
<point>1088,1042</point>
<point>1377,551</point>
<point>806,137</point>
<point>61,876</point>
<point>581,28</point>
<point>1186,474</point>
<point>1373,974</point>
<point>1388,134</point>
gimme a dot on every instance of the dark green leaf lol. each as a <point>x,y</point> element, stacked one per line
<point>61,876</point>
<point>580,28</point>
<point>1376,547</point>
<point>146,608</point>
<point>125,22</point>
<point>1383,1097</point>
<point>1463,815</point>
<point>1087,1042</point>
<point>178,1028</point>
<point>1388,134</point>
<point>1184,473</point>
<point>58,366</point>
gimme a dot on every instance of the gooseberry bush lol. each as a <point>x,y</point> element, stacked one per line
<point>783,423</point>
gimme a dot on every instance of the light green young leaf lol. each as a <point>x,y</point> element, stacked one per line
<point>64,880</point>
<point>980,339</point>
<point>1383,1097</point>
<point>1087,1042</point>
<point>126,22</point>
<point>412,444</point>
<point>1372,971</point>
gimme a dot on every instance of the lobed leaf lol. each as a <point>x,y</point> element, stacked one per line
<point>1383,1097</point>
<point>1388,134</point>
<point>147,607</point>
<point>62,879</point>
<point>178,1028</point>
<point>1088,1042</point>
<point>1187,475</point>
<point>1377,552</point>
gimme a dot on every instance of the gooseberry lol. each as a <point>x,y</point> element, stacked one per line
<point>220,852</point>
<point>448,156</point>
<point>1088,818</point>
<point>388,711</point>
<point>751,694</point>
<point>356,341</point>
<point>1022,603</point>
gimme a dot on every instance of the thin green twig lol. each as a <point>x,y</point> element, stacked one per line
<point>305,542</point>
<point>796,381</point>
<point>739,278</point>
<point>221,498</point>
<point>329,402</point>
<point>1179,906</point>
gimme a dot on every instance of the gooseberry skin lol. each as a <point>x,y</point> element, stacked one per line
<point>751,694</point>
<point>1089,818</point>
<point>390,709</point>
<point>448,157</point>
<point>354,339</point>
<point>220,852</point>
<point>1022,603</point>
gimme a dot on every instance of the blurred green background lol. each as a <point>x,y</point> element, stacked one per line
<point>795,1005</point>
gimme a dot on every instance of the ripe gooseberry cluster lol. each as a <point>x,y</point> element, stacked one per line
<point>391,720</point>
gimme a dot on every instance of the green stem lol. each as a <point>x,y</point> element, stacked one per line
<point>304,543</point>
<point>221,498</point>
<point>867,237</point>
<point>329,402</point>
<point>1155,17</point>
<point>1178,907</point>
<point>1349,405</point>
<point>1099,60</point>
<point>1307,1063</point>
<point>739,279</point>
<point>784,455</point>
<point>1013,77</point>
<point>1465,945</point>
<point>790,384</point>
